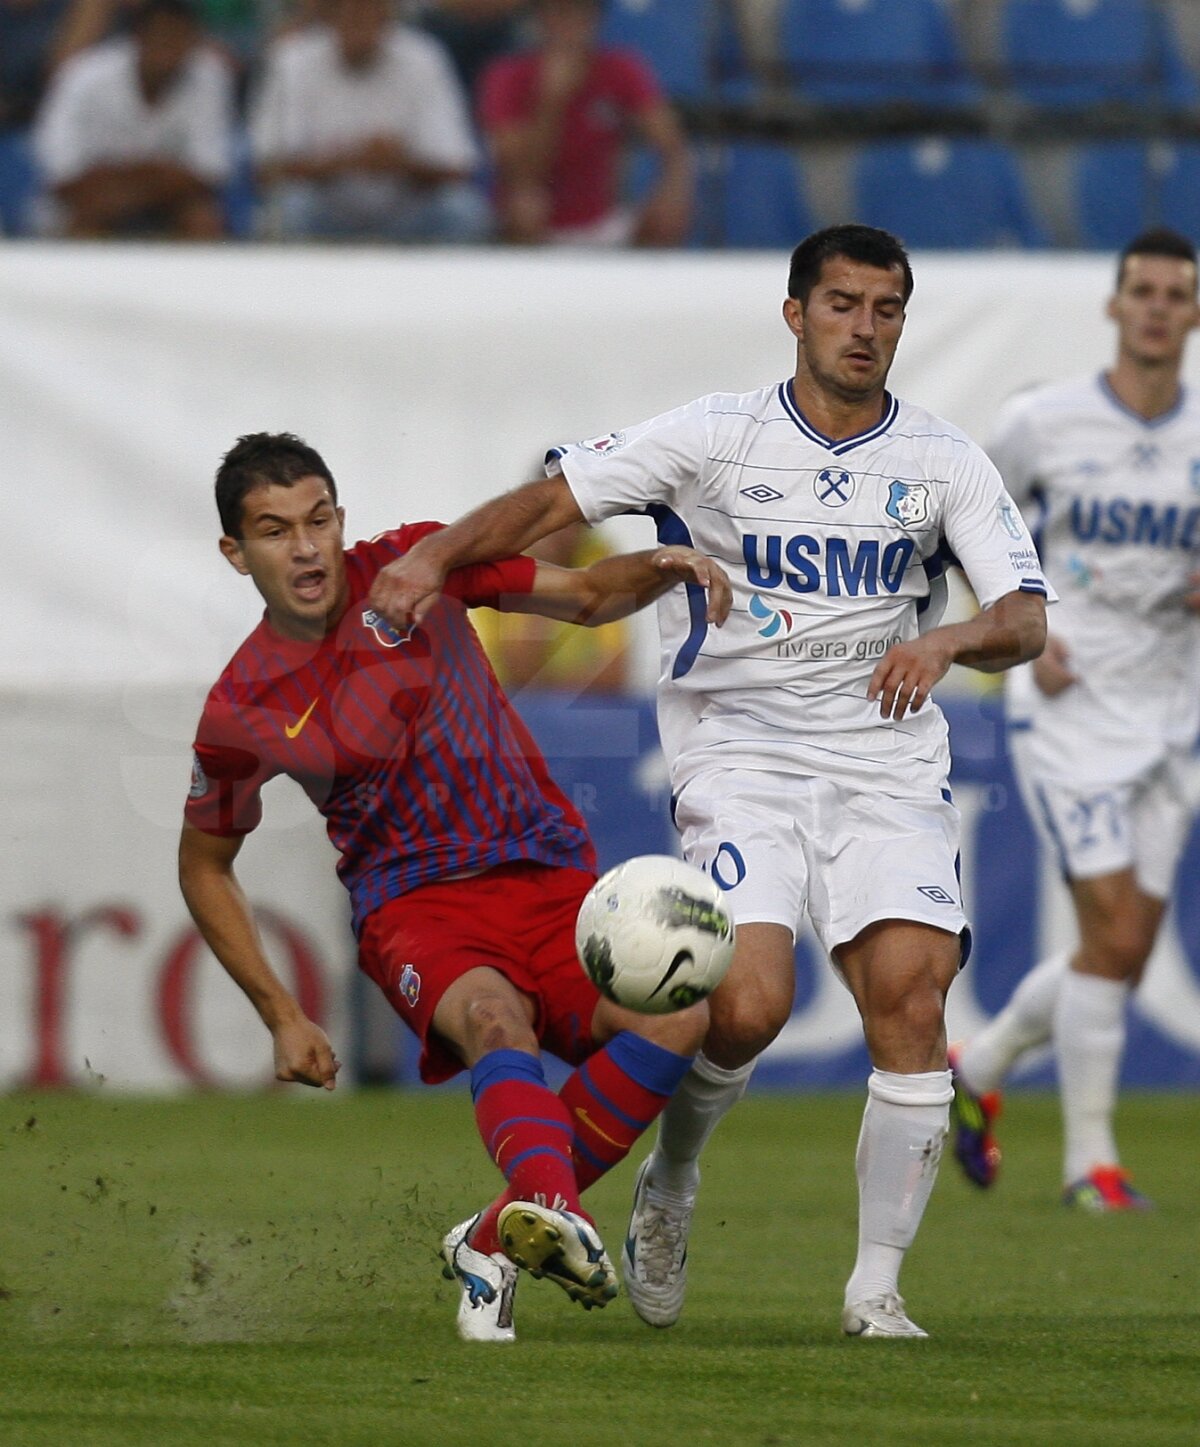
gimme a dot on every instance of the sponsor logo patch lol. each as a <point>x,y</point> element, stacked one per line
<point>833,486</point>
<point>199,785</point>
<point>604,445</point>
<point>936,893</point>
<point>760,492</point>
<point>772,619</point>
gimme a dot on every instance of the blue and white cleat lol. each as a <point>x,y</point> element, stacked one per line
<point>882,1316</point>
<point>560,1246</point>
<point>489,1284</point>
<point>654,1261</point>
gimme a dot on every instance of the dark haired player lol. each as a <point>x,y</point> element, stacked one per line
<point>1102,725</point>
<point>465,863</point>
<point>809,766</point>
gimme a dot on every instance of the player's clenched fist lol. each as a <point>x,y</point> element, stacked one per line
<point>304,1055</point>
<point>404,591</point>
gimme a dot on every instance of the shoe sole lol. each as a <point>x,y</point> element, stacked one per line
<point>537,1245</point>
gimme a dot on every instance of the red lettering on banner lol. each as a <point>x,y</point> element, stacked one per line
<point>55,938</point>
<point>175,1004</point>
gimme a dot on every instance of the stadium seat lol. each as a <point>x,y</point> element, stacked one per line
<point>676,36</point>
<point>18,182</point>
<point>1073,54</point>
<point>850,53</point>
<point>1123,187</point>
<point>760,197</point>
<point>941,193</point>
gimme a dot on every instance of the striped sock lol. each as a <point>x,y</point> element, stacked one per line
<point>527,1132</point>
<point>614,1096</point>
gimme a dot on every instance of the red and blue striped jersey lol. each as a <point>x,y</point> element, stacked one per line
<point>404,741</point>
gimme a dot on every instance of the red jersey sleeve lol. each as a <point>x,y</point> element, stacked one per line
<point>478,585</point>
<point>227,775</point>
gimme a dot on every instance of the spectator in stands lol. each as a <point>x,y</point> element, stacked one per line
<point>361,131</point>
<point>474,32</point>
<point>527,651</point>
<point>28,32</point>
<point>557,117</point>
<point>134,135</point>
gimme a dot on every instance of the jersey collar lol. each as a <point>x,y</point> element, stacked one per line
<point>1168,416</point>
<point>839,445</point>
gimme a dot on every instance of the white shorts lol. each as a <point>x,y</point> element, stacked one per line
<point>781,845</point>
<point>1095,829</point>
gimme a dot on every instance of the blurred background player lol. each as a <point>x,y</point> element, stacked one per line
<point>558,118</point>
<point>466,865</point>
<point>808,765</point>
<point>1103,723</point>
<point>361,131</point>
<point>531,651</point>
<point>134,135</point>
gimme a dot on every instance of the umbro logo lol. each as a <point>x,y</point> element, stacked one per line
<point>760,492</point>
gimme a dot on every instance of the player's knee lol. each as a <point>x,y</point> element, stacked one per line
<point>495,1022</point>
<point>1122,953</point>
<point>683,1031</point>
<point>743,1024</point>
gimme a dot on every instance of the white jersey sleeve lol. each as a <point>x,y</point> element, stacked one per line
<point>1014,447</point>
<point>987,535</point>
<point>638,469</point>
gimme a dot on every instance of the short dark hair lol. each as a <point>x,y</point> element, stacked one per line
<point>1158,241</point>
<point>260,459</point>
<point>867,244</point>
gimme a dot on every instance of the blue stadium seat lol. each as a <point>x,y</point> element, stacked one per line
<point>1123,187</point>
<point>1064,54</point>
<point>18,182</point>
<point>760,198</point>
<point>874,52</point>
<point>677,37</point>
<point>940,193</point>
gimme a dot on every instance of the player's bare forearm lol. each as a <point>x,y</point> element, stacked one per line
<point>1011,631</point>
<point>223,916</point>
<point>405,590</point>
<point>616,587</point>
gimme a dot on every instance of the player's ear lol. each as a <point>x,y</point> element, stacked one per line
<point>1110,310</point>
<point>793,314</point>
<point>231,551</point>
<point>341,517</point>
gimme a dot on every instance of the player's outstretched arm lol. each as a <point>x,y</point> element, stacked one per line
<point>223,916</point>
<point>1011,631</point>
<point>404,591</point>
<point>615,587</point>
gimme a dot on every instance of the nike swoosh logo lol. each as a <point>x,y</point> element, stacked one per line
<point>293,729</point>
<point>582,1115</point>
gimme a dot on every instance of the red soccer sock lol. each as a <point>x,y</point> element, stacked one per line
<point>527,1132</point>
<point>614,1096</point>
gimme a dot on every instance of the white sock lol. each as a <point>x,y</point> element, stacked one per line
<point>1089,1037</point>
<point>1025,1022</point>
<point>899,1147</point>
<point>704,1095</point>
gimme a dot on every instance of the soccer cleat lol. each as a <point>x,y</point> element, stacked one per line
<point>881,1316</point>
<point>654,1261</point>
<point>973,1118</point>
<point>1106,1188</point>
<point>560,1246</point>
<point>488,1283</point>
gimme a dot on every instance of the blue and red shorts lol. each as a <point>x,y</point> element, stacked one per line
<point>518,919</point>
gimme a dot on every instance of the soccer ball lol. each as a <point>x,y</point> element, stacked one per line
<point>654,934</point>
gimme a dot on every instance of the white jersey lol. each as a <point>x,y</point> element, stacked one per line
<point>1114,502</point>
<point>836,551</point>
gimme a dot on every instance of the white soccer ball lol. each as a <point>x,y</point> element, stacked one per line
<point>655,934</point>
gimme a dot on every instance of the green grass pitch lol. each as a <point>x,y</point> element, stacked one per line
<point>260,1270</point>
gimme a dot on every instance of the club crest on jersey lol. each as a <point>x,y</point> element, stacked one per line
<point>410,984</point>
<point>199,785</point>
<point>384,632</point>
<point>1009,520</point>
<point>772,619</point>
<point>908,503</point>
<point>833,486</point>
<point>604,445</point>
